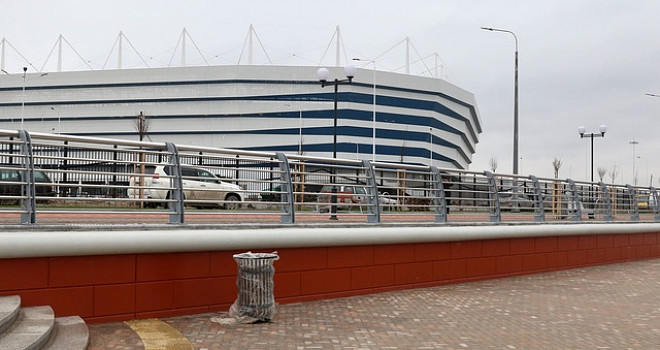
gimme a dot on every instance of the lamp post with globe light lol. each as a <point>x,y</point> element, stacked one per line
<point>323,74</point>
<point>583,133</point>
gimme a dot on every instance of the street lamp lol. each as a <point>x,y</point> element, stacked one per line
<point>583,133</point>
<point>323,74</point>
<point>634,143</point>
<point>59,119</point>
<point>515,98</point>
<point>431,146</point>
<point>373,116</point>
<point>300,126</point>
<point>23,91</point>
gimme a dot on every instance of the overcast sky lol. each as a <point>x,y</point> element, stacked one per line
<point>587,62</point>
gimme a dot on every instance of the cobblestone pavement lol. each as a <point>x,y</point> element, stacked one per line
<point>605,307</point>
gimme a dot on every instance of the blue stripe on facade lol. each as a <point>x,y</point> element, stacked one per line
<point>346,147</point>
<point>243,81</point>
<point>366,132</point>
<point>413,104</point>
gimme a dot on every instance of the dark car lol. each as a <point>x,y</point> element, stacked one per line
<point>44,187</point>
<point>273,195</point>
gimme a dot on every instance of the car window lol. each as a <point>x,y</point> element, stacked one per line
<point>360,190</point>
<point>40,176</point>
<point>187,172</point>
<point>149,169</point>
<point>206,176</point>
<point>9,175</point>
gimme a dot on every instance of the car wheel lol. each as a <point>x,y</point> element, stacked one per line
<point>232,202</point>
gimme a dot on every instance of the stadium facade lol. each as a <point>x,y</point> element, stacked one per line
<point>267,108</point>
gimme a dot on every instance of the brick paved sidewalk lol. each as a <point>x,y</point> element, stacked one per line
<point>605,307</point>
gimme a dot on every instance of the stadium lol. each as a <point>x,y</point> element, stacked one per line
<point>267,108</point>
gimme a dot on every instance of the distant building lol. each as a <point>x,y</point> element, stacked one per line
<point>267,108</point>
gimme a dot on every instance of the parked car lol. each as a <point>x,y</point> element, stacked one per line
<point>272,196</point>
<point>10,178</point>
<point>386,202</point>
<point>347,195</point>
<point>509,200</point>
<point>198,184</point>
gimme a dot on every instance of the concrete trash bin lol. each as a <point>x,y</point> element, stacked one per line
<point>255,301</point>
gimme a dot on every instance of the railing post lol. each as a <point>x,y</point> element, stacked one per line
<point>439,197</point>
<point>177,214</point>
<point>373,208</point>
<point>288,207</point>
<point>607,202</point>
<point>575,199</point>
<point>539,208</point>
<point>493,198</point>
<point>656,205</point>
<point>634,206</point>
<point>28,191</point>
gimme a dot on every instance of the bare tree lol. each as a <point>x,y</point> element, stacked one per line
<point>556,164</point>
<point>142,124</point>
<point>601,172</point>
<point>556,191</point>
<point>493,164</point>
<point>613,173</point>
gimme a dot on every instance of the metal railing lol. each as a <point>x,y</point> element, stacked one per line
<point>65,179</point>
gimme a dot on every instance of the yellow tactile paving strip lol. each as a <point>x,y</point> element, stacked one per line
<point>158,335</point>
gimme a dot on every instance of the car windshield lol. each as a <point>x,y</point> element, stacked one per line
<point>40,176</point>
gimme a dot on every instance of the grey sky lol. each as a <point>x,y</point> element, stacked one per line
<point>586,62</point>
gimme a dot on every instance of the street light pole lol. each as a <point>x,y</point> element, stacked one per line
<point>373,113</point>
<point>300,126</point>
<point>515,100</point>
<point>583,133</point>
<point>634,176</point>
<point>59,119</point>
<point>323,75</point>
<point>23,99</point>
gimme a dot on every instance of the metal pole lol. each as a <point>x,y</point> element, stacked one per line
<point>23,99</point>
<point>515,100</point>
<point>333,199</point>
<point>592,158</point>
<point>334,131</point>
<point>373,120</point>
<point>515,116</point>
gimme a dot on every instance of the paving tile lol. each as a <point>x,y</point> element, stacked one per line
<point>603,307</point>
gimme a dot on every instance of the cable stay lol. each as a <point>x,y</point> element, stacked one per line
<point>249,43</point>
<point>182,42</point>
<point>58,44</point>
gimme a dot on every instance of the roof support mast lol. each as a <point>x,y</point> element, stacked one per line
<point>59,54</point>
<point>337,63</point>
<point>2,60</point>
<point>250,52</point>
<point>120,51</point>
<point>183,47</point>
<point>407,55</point>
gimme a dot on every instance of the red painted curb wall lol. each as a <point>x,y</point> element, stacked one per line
<point>110,288</point>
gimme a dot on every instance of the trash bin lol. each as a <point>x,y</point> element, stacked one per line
<point>255,301</point>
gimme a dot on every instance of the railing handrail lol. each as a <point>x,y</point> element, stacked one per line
<point>90,163</point>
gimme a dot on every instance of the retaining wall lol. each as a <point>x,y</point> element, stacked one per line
<point>106,276</point>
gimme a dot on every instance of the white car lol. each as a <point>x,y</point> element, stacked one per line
<point>198,185</point>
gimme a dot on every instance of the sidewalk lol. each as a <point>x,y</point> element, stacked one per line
<point>604,307</point>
